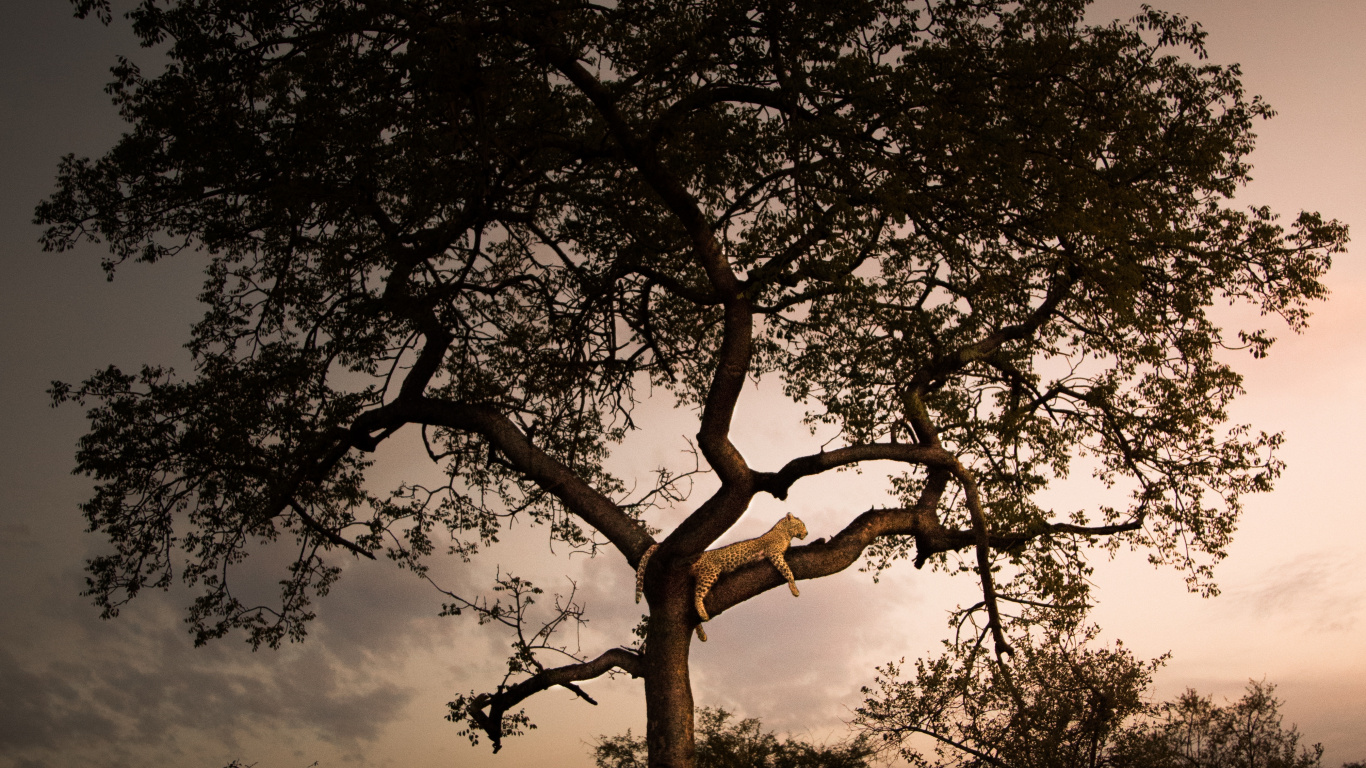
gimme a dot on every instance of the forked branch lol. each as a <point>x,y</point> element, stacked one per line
<point>489,711</point>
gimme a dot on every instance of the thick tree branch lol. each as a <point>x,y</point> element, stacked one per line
<point>824,558</point>
<point>666,184</point>
<point>550,474</point>
<point>728,380</point>
<point>718,93</point>
<point>486,710</point>
<point>315,464</point>
<point>983,541</point>
<point>777,483</point>
<point>413,407</point>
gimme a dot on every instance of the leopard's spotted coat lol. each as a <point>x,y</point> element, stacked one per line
<point>711,564</point>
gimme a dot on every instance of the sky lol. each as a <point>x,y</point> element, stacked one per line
<point>369,686</point>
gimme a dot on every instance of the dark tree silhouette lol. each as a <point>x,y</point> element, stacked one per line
<point>723,742</point>
<point>975,239</point>
<point>1194,731</point>
<point>1062,704</point>
<point>1067,704</point>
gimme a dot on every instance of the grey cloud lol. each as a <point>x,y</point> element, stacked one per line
<point>139,687</point>
<point>15,533</point>
<point>1319,589</point>
<point>45,708</point>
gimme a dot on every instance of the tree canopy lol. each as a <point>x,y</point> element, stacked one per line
<point>1063,703</point>
<point>1068,704</point>
<point>979,241</point>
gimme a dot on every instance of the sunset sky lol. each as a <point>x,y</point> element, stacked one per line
<point>369,686</point>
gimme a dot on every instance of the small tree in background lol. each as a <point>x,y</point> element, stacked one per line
<point>1058,703</point>
<point>1062,704</point>
<point>724,742</point>
<point>1193,731</point>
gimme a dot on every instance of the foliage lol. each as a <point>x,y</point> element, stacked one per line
<point>1194,731</point>
<point>978,240</point>
<point>1060,703</point>
<point>1064,705</point>
<point>725,743</point>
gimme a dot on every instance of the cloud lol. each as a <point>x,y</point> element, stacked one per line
<point>45,708</point>
<point>1319,590</point>
<point>15,533</point>
<point>134,691</point>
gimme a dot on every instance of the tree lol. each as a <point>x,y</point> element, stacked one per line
<point>723,743</point>
<point>1061,705</point>
<point>977,239</point>
<point>1065,705</point>
<point>1194,731</point>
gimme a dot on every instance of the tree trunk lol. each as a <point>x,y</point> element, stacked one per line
<point>668,689</point>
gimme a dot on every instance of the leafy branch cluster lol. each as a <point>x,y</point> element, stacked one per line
<point>1066,702</point>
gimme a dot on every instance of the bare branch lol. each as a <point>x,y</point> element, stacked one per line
<point>777,483</point>
<point>487,710</point>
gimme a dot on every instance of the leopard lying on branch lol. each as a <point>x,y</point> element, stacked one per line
<point>712,563</point>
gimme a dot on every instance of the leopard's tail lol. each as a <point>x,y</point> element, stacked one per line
<point>640,570</point>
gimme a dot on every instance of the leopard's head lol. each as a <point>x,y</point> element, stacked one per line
<point>797,527</point>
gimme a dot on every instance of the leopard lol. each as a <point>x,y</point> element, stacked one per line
<point>711,564</point>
